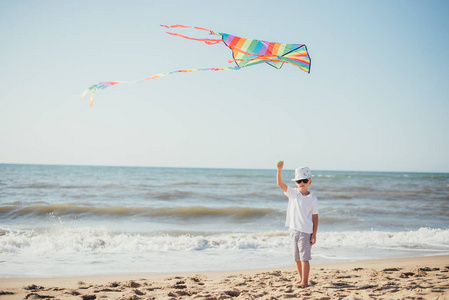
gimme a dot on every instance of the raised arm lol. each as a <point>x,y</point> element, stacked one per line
<point>281,183</point>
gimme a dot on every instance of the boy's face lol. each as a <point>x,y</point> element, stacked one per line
<point>304,183</point>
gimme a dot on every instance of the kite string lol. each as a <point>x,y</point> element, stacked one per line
<point>102,85</point>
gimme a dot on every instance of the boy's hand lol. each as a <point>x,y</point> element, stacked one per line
<point>280,164</point>
<point>281,184</point>
<point>313,239</point>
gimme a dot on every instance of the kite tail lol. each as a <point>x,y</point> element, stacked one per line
<point>94,89</point>
<point>184,26</point>
<point>97,87</point>
<point>207,41</point>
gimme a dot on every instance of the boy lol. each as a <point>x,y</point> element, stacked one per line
<point>302,218</point>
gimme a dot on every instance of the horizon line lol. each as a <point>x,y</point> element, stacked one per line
<point>211,168</point>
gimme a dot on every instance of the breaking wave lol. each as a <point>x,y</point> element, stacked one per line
<point>73,240</point>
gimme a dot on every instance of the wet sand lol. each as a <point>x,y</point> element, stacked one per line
<point>402,278</point>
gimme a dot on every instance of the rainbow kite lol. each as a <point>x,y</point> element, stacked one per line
<point>245,52</point>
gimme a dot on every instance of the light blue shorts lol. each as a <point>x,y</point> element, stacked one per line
<point>301,247</point>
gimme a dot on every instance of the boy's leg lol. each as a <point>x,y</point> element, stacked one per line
<point>305,273</point>
<point>305,255</point>
<point>299,267</point>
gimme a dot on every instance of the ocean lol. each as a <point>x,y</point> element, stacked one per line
<point>91,220</point>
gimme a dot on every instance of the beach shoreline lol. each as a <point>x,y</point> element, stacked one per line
<point>424,277</point>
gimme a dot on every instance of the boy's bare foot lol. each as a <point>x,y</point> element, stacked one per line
<point>300,284</point>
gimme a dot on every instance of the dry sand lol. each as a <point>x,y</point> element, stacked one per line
<point>403,278</point>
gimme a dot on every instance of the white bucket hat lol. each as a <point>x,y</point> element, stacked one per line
<point>302,173</point>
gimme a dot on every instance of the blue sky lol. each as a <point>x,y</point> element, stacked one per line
<point>376,98</point>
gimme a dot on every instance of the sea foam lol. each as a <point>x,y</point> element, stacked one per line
<point>88,240</point>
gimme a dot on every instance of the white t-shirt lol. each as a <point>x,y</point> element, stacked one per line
<point>300,210</point>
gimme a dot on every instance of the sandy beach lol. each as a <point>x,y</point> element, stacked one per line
<point>402,278</point>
